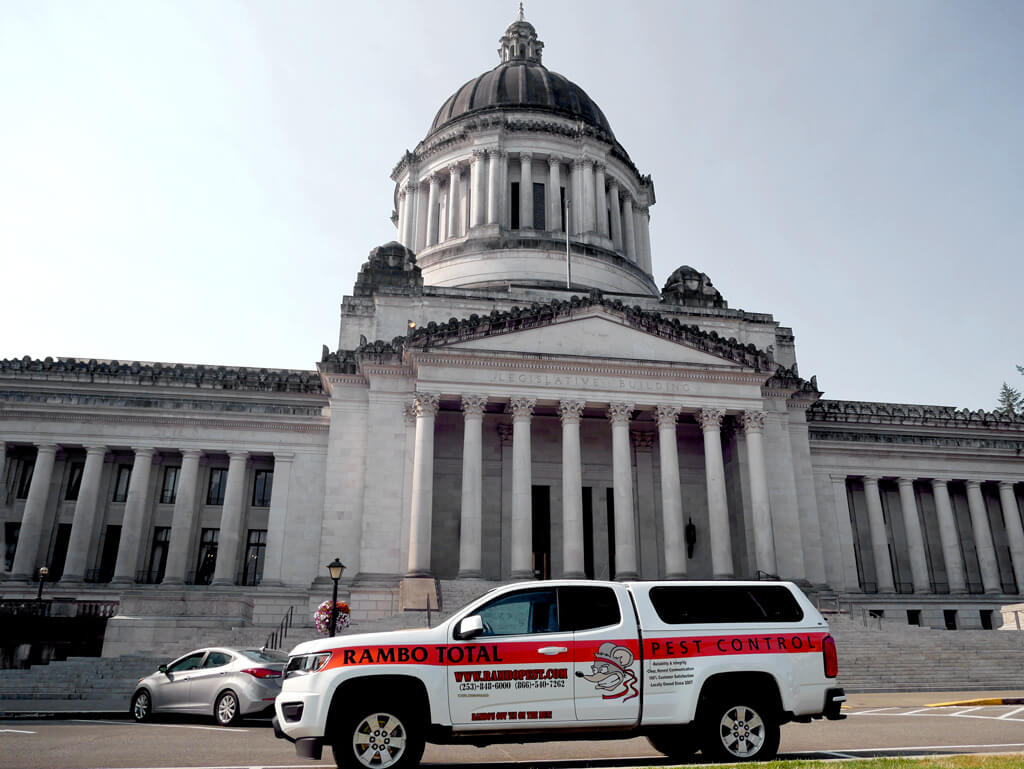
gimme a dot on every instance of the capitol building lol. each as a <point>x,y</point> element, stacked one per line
<point>513,394</point>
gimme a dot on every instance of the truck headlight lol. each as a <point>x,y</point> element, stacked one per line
<point>304,664</point>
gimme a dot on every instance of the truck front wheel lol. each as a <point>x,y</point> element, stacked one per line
<point>739,729</point>
<point>378,736</point>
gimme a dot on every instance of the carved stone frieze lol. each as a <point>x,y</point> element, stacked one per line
<point>710,419</point>
<point>155,403</point>
<point>931,441</point>
<point>911,414</point>
<point>570,410</point>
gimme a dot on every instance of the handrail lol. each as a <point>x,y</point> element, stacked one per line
<point>277,636</point>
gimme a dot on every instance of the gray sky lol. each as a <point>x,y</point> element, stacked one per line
<point>199,182</point>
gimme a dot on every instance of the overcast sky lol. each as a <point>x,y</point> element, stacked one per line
<point>199,182</point>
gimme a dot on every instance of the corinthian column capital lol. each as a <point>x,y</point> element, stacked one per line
<point>667,415</point>
<point>570,411</point>
<point>753,421</point>
<point>425,404</point>
<point>620,413</point>
<point>710,419</point>
<point>521,408</point>
<point>473,405</point>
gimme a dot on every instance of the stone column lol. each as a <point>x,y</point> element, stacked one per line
<point>575,223</point>
<point>494,196</point>
<point>643,238</point>
<point>408,465</point>
<point>183,519</point>
<point>600,200</point>
<point>522,488</point>
<point>525,191</point>
<point>135,508</point>
<point>879,537</point>
<point>400,224</point>
<point>231,521</point>
<point>710,421</point>
<point>845,529</point>
<point>572,490</point>
<point>453,200</point>
<point>619,415</point>
<point>915,539</point>
<point>948,536</point>
<point>671,494</point>
<point>471,527</point>
<point>554,194</point>
<point>588,195</point>
<point>24,566</point>
<point>628,227</point>
<point>409,215</point>
<point>760,509</point>
<point>615,206</point>
<point>421,518</point>
<point>3,475</point>
<point>273,562</point>
<point>478,188</point>
<point>432,212</point>
<point>983,539</point>
<point>1014,531</point>
<point>85,516</point>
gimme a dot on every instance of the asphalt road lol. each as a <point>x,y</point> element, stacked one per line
<point>868,731</point>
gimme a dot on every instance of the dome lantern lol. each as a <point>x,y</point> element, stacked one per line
<point>520,43</point>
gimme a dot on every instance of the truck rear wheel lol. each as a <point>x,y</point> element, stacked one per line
<point>378,736</point>
<point>677,742</point>
<point>739,728</point>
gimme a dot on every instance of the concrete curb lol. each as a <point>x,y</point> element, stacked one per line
<point>984,701</point>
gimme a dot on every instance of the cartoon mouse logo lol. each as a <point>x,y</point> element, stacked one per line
<point>611,670</point>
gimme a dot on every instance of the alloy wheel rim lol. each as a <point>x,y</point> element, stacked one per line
<point>742,731</point>
<point>379,741</point>
<point>226,710</point>
<point>141,706</point>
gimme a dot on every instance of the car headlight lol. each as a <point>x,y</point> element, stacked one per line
<point>304,664</point>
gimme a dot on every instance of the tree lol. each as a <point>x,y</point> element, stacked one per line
<point>1010,399</point>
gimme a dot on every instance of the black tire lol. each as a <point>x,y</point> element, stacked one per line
<point>677,742</point>
<point>739,728</point>
<point>226,710</point>
<point>142,706</point>
<point>378,735</point>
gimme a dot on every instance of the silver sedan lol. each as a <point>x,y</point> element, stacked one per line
<point>227,683</point>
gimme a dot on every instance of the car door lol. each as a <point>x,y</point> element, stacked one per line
<point>606,653</point>
<point>172,692</point>
<point>207,680</point>
<point>515,675</point>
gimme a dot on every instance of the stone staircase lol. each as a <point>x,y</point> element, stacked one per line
<point>891,658</point>
<point>78,678</point>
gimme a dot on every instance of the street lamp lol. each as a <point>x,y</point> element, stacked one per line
<point>43,571</point>
<point>336,568</point>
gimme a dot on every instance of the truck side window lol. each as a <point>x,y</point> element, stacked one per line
<point>585,608</point>
<point>686,605</point>
<point>531,611</point>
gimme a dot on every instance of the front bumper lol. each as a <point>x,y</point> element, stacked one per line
<point>305,747</point>
<point>834,699</point>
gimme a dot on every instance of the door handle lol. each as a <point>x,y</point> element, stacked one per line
<point>552,650</point>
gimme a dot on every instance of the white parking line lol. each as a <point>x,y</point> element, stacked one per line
<point>15,731</point>
<point>167,726</point>
<point>933,747</point>
<point>1011,713</point>
<point>873,710</point>
<point>966,710</point>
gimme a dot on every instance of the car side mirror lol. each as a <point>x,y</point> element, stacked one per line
<point>469,627</point>
<point>162,669</point>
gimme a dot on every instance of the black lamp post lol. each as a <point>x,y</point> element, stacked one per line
<point>336,568</point>
<point>43,571</point>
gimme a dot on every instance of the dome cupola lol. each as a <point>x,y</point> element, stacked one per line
<point>517,162</point>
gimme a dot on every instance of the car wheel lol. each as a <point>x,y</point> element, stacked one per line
<point>739,729</point>
<point>142,706</point>
<point>378,737</point>
<point>226,710</point>
<point>678,743</point>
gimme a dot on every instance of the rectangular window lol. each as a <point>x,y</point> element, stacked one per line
<point>986,619</point>
<point>950,616</point>
<point>158,556</point>
<point>514,200</point>
<point>561,206</point>
<point>255,550</point>
<point>588,532</point>
<point>539,210</point>
<point>207,561</point>
<point>541,510</point>
<point>11,532</point>
<point>262,486</point>
<point>74,481</point>
<point>609,501</point>
<point>25,479</point>
<point>701,605</point>
<point>124,477</point>
<point>169,489</point>
<point>218,482</point>
<point>914,617</point>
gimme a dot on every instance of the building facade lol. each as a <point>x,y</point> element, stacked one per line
<point>511,397</point>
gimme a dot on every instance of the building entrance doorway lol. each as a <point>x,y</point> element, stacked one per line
<point>541,532</point>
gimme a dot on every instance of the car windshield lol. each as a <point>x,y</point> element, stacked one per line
<point>264,655</point>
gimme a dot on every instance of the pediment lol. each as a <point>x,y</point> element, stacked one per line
<point>599,335</point>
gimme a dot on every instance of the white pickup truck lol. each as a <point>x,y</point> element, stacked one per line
<point>710,666</point>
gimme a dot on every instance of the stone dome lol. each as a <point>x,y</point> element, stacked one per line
<point>521,81</point>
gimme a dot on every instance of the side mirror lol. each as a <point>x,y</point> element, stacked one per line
<point>162,669</point>
<point>470,627</point>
